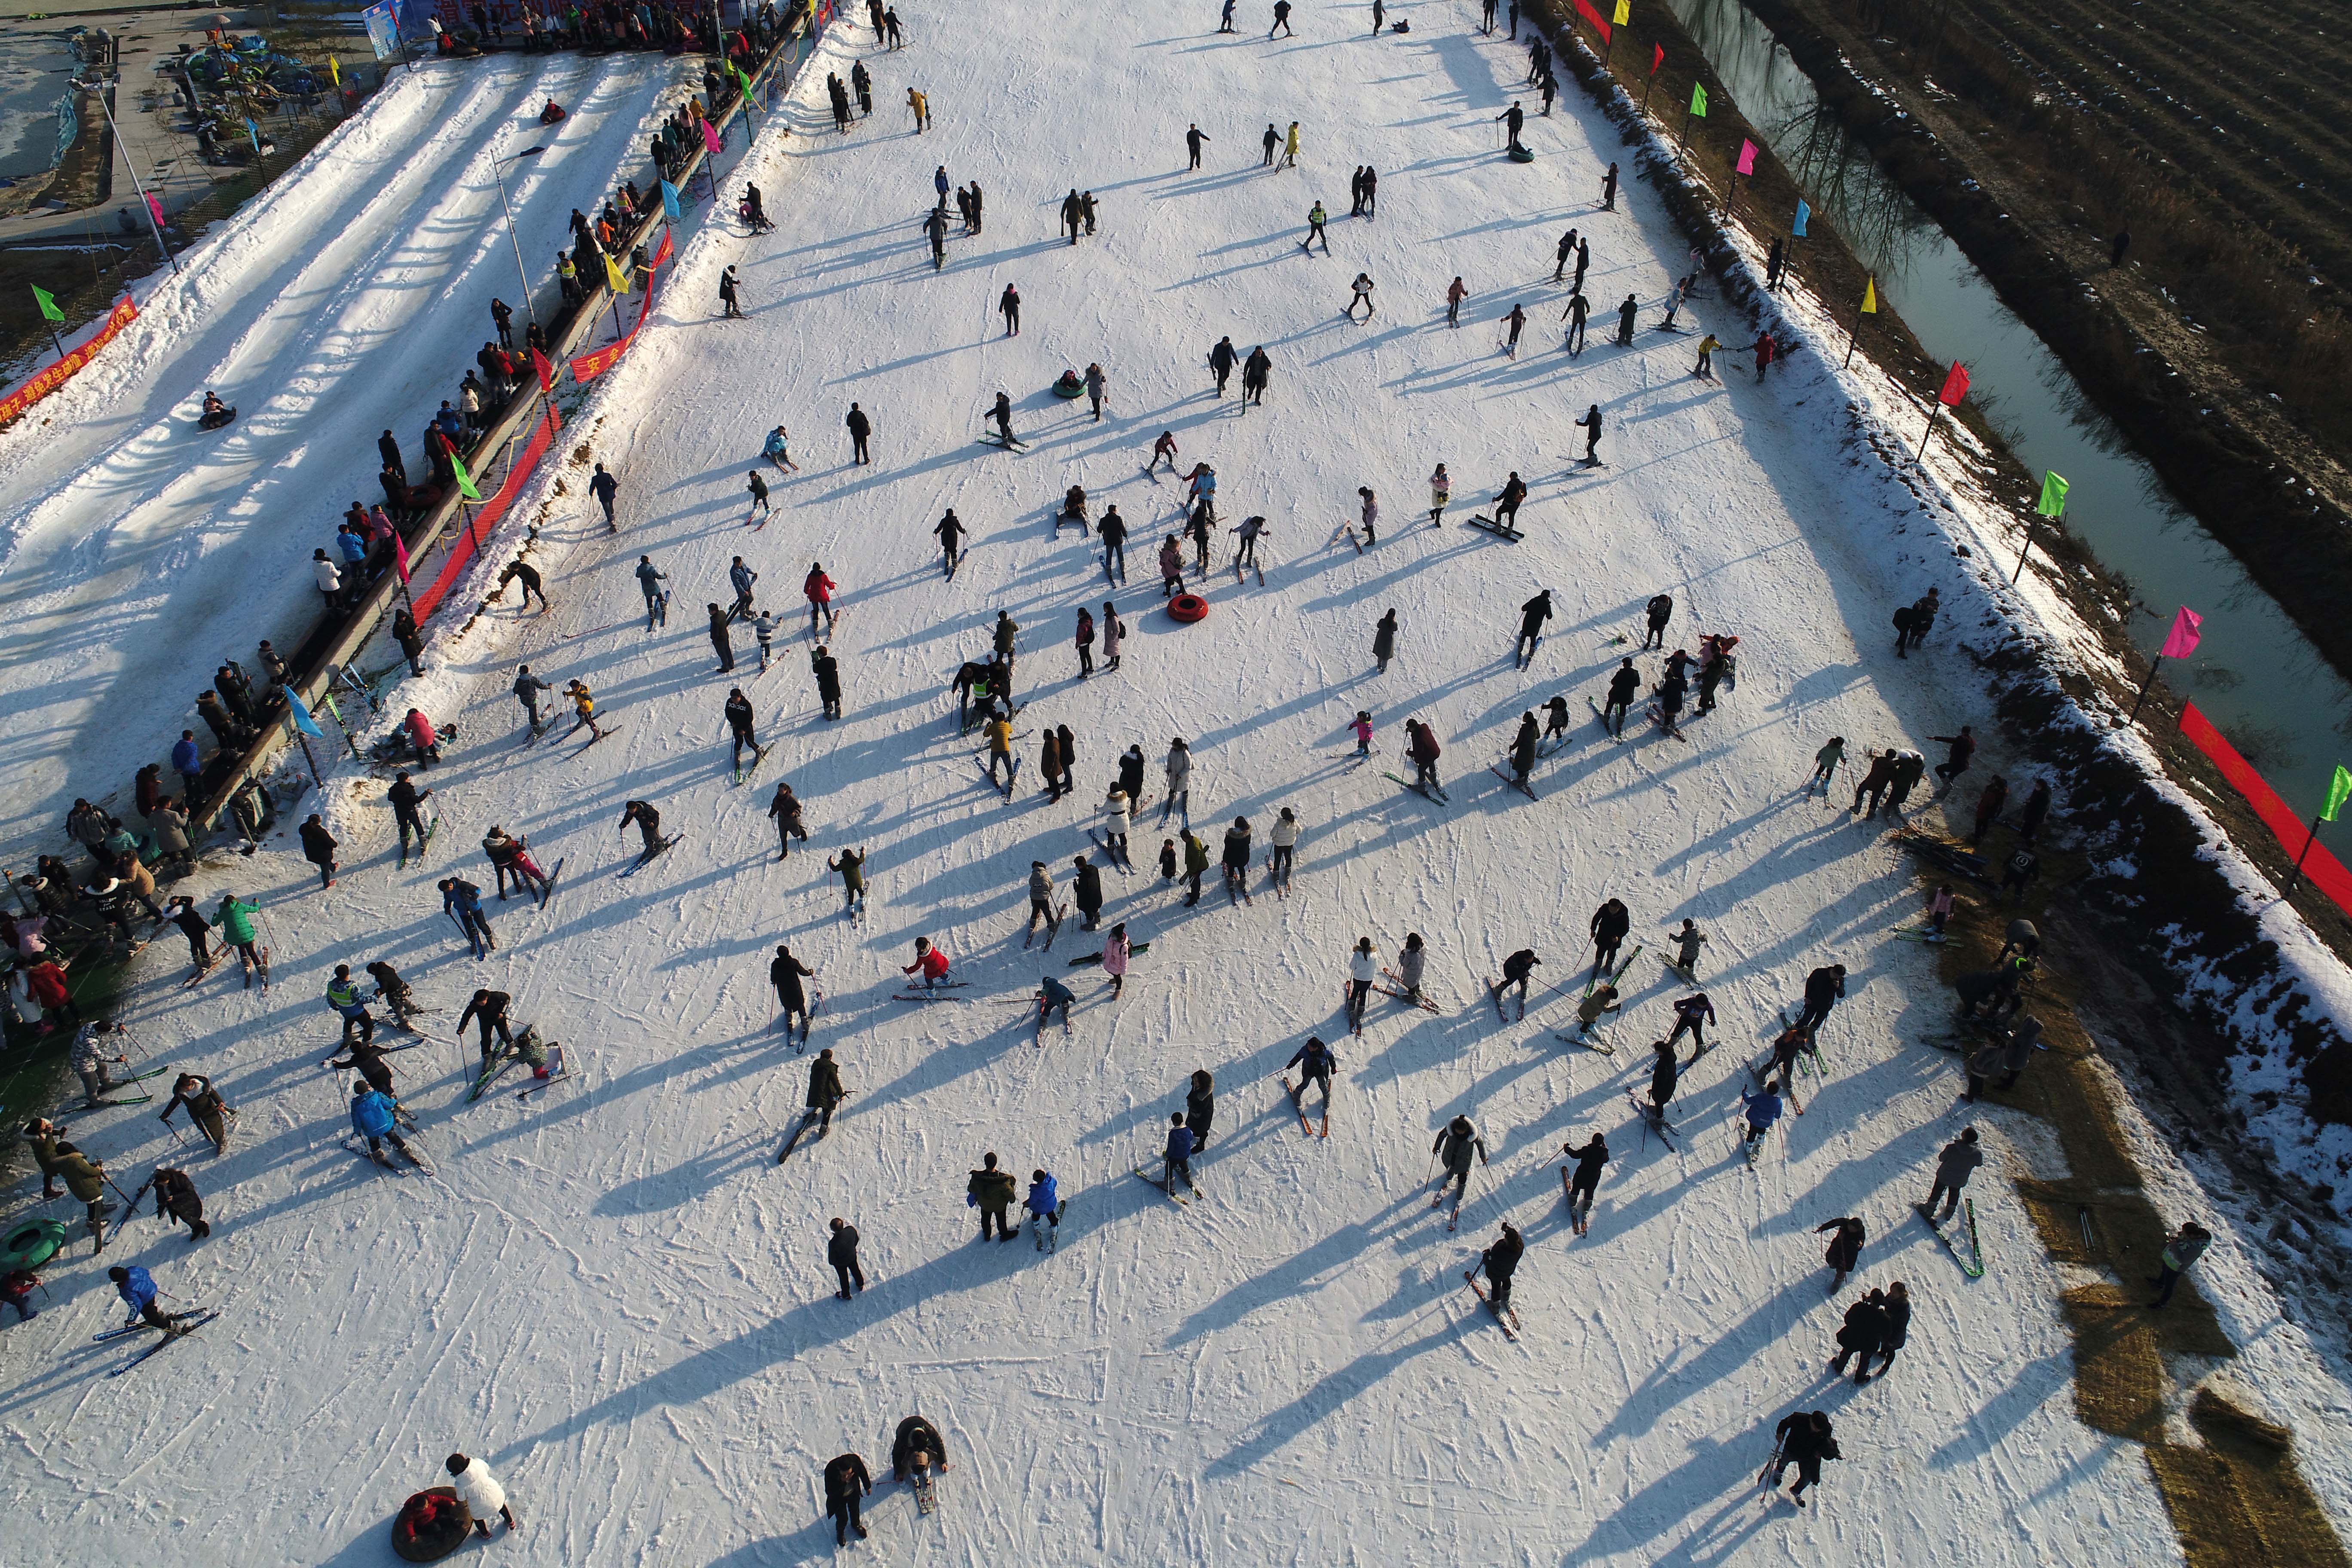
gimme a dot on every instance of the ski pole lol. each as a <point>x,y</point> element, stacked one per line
<point>176,1135</point>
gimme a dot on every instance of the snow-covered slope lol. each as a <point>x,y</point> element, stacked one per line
<point>613,1294</point>
<point>137,552</point>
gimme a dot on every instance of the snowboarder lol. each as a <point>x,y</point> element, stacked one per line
<point>916,1436</point>
<point>1454,1144</point>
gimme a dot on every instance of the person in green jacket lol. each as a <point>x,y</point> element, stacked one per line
<point>852,868</point>
<point>1196,865</point>
<point>1825,762</point>
<point>991,1191</point>
<point>235,922</point>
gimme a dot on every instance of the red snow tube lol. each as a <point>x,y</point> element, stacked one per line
<point>431,1525</point>
<point>1187,608</point>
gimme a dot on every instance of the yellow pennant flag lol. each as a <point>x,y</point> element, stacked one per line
<point>1624,13</point>
<point>620,285</point>
<point>1870,297</point>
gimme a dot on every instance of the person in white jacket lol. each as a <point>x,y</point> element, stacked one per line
<point>1179,781</point>
<point>480,1492</point>
<point>1116,819</point>
<point>1363,968</point>
<point>1114,959</point>
<point>330,581</point>
<point>1284,837</point>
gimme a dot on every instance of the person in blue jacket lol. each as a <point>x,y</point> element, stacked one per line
<point>1314,1062</point>
<point>1053,995</point>
<point>188,762</point>
<point>1762,1108</point>
<point>137,1292</point>
<point>1178,1155</point>
<point>1043,1204</point>
<point>372,1119</point>
<point>462,902</point>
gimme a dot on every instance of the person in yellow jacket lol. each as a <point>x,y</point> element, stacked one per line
<point>1290,148</point>
<point>999,731</point>
<point>922,108</point>
<point>584,711</point>
<point>1705,369</point>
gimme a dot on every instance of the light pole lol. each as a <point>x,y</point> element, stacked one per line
<point>97,90</point>
<point>499,173</point>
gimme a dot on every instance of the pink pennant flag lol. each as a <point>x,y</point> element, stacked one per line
<point>155,207</point>
<point>400,554</point>
<point>2182,641</point>
<point>709,137</point>
<point>1747,157</point>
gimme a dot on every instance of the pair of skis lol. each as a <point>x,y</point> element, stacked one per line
<point>1971,1262</point>
<point>1298,1107</point>
<point>189,1325</point>
<point>1505,1317</point>
<point>1507,779</point>
<point>1653,1121</point>
<point>1052,928</point>
<point>650,856</point>
<point>808,1119</point>
<point>1437,795</point>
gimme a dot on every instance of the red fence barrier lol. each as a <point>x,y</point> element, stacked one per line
<point>57,375</point>
<point>2320,868</point>
<point>493,507</point>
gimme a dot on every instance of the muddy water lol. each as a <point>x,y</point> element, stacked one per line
<point>2264,684</point>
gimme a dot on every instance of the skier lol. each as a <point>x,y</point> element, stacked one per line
<point>1501,1261</point>
<point>1440,492</point>
<point>1455,294</point>
<point>1518,969</point>
<point>1958,1161</point>
<point>1576,315</point>
<point>991,1191</point>
<point>1587,1179</point>
<point>1874,782</point>
<point>2009,1054</point>
<point>1196,866</point>
<point>1535,611</point>
<point>731,309</point>
<point>1316,1064</point>
<point>1116,817</point>
<point>1200,1108</point>
<point>1561,253</point>
<point>824,1085</point>
<point>1705,369</point>
<point>1176,1156</point>
<point>343,997</point>
<point>1764,348</point>
<point>1761,1108</point>
<point>1423,748</point>
<point>1454,1144</point>
<point>649,583</point>
<point>1236,858</point>
<point>1803,1440</point>
<point>236,923</point>
<point>1688,941</point>
<point>1523,749</point>
<point>778,450</point>
<point>1787,1047</point>
<point>1517,321</point>
<point>527,687</point>
<point>827,671</point>
<point>1052,997</point>
<point>845,1478</point>
<point>138,1291</point>
<point>931,962</point>
<point>1608,927</point>
<point>1693,1014</point>
<point>1362,729</point>
<point>1825,988</point>
<point>480,1492</point>
<point>1845,1244</point>
<point>1363,290</point>
<point>1256,371</point>
<point>1623,686</point>
<point>1507,513</point>
<point>1825,763</point>
<point>1590,426</point>
<point>373,1119</point>
<point>921,106</point>
<point>785,972</point>
<point>1315,217</point>
<point>205,1108</point>
<point>1178,768</point>
<point>1363,968</point>
<point>1411,962</point>
<point>1290,137</point>
<point>90,1061</point>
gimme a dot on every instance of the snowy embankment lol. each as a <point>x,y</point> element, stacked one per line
<point>137,552</point>
<point>613,1294</point>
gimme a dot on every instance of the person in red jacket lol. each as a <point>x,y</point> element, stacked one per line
<point>1425,752</point>
<point>424,737</point>
<point>46,983</point>
<point>931,960</point>
<point>819,589</point>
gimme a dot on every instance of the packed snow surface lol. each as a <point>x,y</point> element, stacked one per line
<point>611,1292</point>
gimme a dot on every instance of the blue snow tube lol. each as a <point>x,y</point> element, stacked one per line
<point>32,1244</point>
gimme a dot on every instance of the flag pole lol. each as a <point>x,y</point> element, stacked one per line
<point>2143,697</point>
<point>2296,880</point>
<point>1929,433</point>
<point>56,340</point>
<point>1853,338</point>
<point>2028,550</point>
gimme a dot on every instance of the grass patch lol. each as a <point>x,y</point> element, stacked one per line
<point>2241,1498</point>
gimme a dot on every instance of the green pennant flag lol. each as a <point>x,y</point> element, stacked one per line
<point>2053,493</point>
<point>1698,102</point>
<point>48,302</point>
<point>2339,790</point>
<point>742,82</point>
<point>465,481</point>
